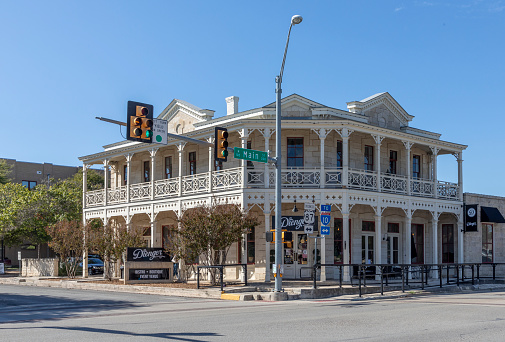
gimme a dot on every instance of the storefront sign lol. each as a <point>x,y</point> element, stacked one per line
<point>471,218</point>
<point>146,254</point>
<point>149,274</point>
<point>294,223</point>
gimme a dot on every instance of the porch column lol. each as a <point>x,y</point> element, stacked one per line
<point>435,151</point>
<point>459,156</point>
<point>347,245</point>
<point>105,180</point>
<point>267,133</point>
<point>378,141</point>
<point>84,190</point>
<point>408,236</point>
<point>345,134</point>
<point>84,183</point>
<point>434,230</point>
<point>180,149</point>
<point>322,133</point>
<point>267,244</point>
<point>408,146</point>
<point>378,236</point>
<point>129,157</point>
<point>243,163</point>
<point>155,242</point>
<point>152,153</point>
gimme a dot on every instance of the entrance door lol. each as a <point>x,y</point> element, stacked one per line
<point>367,249</point>
<point>296,257</point>
<point>393,249</point>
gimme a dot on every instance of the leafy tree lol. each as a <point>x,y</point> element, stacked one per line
<point>67,240</point>
<point>207,232</point>
<point>5,169</point>
<point>110,242</point>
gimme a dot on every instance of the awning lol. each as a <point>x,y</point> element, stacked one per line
<point>490,214</point>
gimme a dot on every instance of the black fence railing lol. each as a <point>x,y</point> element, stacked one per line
<point>221,273</point>
<point>413,275</point>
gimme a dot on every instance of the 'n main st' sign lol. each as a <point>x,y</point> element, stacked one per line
<point>252,155</point>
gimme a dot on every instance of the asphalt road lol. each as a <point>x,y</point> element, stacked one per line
<point>53,314</point>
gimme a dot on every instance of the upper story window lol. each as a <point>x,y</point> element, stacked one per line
<point>147,171</point>
<point>29,184</point>
<point>339,154</point>
<point>250,164</point>
<point>368,158</point>
<point>168,167</point>
<point>393,159</point>
<point>416,166</point>
<point>192,163</point>
<point>218,165</point>
<point>295,152</point>
<point>125,174</point>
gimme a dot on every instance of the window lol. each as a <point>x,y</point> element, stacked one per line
<point>417,250</point>
<point>416,166</point>
<point>339,154</point>
<point>218,165</point>
<point>250,164</point>
<point>168,167</point>
<point>447,243</point>
<point>368,226</point>
<point>147,171</point>
<point>251,246</point>
<point>338,242</point>
<point>165,239</point>
<point>192,163</point>
<point>487,242</point>
<point>295,152</point>
<point>393,227</point>
<point>29,184</point>
<point>393,158</point>
<point>125,174</point>
<point>368,158</point>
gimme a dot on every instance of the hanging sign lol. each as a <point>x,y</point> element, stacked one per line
<point>470,217</point>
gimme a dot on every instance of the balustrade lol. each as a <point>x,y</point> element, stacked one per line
<point>291,178</point>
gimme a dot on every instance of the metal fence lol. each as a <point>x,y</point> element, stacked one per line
<point>221,273</point>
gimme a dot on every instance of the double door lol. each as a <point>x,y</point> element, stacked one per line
<point>296,255</point>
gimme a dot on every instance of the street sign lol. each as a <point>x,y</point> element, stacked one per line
<point>252,155</point>
<point>310,206</point>
<point>308,217</point>
<point>160,131</point>
<point>325,220</point>
<point>308,229</point>
<point>325,230</point>
<point>326,208</point>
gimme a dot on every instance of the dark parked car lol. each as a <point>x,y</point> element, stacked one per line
<point>95,266</point>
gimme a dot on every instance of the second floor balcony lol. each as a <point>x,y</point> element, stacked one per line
<point>292,178</point>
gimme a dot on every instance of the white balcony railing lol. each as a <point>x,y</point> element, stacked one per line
<point>230,179</point>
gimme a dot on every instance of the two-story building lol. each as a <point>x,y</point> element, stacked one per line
<point>377,172</point>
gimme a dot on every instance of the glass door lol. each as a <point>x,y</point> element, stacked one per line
<point>302,260</point>
<point>367,249</point>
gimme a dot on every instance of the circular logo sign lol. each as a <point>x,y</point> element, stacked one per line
<point>471,212</point>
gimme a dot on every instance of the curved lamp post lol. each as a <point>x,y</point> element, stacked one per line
<point>296,19</point>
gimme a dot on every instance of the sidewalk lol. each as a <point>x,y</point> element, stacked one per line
<point>293,290</point>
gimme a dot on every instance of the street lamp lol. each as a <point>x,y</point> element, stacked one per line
<point>296,19</point>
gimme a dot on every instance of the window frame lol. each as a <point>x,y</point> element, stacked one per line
<point>368,158</point>
<point>487,243</point>
<point>393,162</point>
<point>168,167</point>
<point>447,243</point>
<point>147,171</point>
<point>296,147</point>
<point>29,184</point>
<point>416,174</point>
<point>418,241</point>
<point>125,174</point>
<point>340,154</point>
<point>365,226</point>
<point>192,163</point>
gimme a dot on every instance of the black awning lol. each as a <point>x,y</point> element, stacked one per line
<point>491,214</point>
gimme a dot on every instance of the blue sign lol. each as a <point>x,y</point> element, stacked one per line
<point>325,230</point>
<point>325,220</point>
<point>326,208</point>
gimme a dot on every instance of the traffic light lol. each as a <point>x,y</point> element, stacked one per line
<point>139,122</point>
<point>221,144</point>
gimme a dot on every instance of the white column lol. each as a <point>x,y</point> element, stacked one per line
<point>154,233</point>
<point>460,175</point>
<point>434,231</point>
<point>267,245</point>
<point>408,146</point>
<point>435,151</point>
<point>408,237</point>
<point>84,190</point>
<point>243,163</point>
<point>378,141</point>
<point>105,180</point>
<point>378,236</point>
<point>84,183</point>
<point>322,134</point>
<point>129,157</point>
<point>211,161</point>
<point>152,153</point>
<point>180,149</point>
<point>347,244</point>
<point>345,133</point>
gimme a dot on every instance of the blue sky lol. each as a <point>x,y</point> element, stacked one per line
<point>64,62</point>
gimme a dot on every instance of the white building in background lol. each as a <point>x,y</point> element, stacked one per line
<point>377,172</point>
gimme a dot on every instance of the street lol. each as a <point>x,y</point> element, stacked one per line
<point>48,314</point>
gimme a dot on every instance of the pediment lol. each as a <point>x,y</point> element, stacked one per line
<point>382,110</point>
<point>182,116</point>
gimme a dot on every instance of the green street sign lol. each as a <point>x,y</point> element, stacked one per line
<point>252,155</point>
